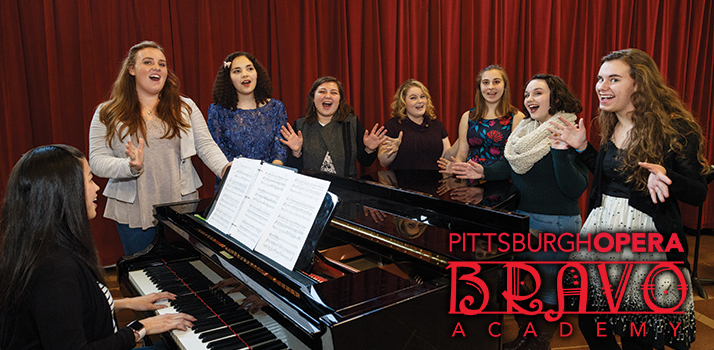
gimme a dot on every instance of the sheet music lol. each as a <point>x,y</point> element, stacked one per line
<point>289,226</point>
<point>268,208</point>
<point>237,184</point>
<point>264,199</point>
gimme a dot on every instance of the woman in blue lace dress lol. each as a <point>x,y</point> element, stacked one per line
<point>484,129</point>
<point>244,120</point>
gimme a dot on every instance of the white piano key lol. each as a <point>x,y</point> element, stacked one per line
<point>188,339</point>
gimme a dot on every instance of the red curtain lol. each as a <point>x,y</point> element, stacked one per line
<point>61,57</point>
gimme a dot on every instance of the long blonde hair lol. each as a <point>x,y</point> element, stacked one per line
<point>123,107</point>
<point>658,120</point>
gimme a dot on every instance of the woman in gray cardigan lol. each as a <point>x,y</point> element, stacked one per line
<point>330,137</point>
<point>143,139</point>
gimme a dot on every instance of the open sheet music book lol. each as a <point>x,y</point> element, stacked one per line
<point>268,208</point>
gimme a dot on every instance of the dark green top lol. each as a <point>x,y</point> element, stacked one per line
<point>551,187</point>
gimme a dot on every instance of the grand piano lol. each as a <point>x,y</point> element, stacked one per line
<point>378,278</point>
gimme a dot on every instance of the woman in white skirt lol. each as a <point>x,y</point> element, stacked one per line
<point>650,157</point>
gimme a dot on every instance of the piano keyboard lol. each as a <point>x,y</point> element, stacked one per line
<point>233,328</point>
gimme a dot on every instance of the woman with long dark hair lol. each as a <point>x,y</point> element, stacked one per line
<point>54,294</point>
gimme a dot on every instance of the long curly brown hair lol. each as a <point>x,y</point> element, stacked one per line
<point>343,111</point>
<point>504,106</point>
<point>124,110</point>
<point>399,106</point>
<point>225,93</point>
<point>658,119</point>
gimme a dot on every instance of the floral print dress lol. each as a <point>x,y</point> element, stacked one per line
<point>487,138</point>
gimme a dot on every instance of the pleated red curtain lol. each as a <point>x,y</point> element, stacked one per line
<point>60,57</point>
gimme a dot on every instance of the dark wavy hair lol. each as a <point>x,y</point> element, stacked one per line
<point>343,111</point>
<point>658,119</point>
<point>561,98</point>
<point>225,93</point>
<point>504,105</point>
<point>44,207</point>
<point>123,107</point>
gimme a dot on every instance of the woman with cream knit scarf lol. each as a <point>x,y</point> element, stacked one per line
<point>550,181</point>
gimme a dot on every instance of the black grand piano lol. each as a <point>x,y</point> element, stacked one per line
<point>377,280</point>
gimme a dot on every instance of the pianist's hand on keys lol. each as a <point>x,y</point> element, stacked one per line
<point>156,324</point>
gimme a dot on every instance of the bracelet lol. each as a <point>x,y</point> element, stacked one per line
<point>579,151</point>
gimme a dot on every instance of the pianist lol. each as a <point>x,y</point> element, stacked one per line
<point>53,294</point>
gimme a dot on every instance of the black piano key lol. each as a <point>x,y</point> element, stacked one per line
<point>225,319</point>
<point>275,344</point>
<point>257,336</point>
<point>195,297</point>
<point>238,328</point>
<point>227,344</point>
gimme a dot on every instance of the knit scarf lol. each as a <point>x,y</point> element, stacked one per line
<point>529,142</point>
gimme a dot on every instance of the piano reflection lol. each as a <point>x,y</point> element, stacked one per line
<point>377,279</point>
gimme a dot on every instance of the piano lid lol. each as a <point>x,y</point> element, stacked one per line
<point>406,228</point>
<point>418,216</point>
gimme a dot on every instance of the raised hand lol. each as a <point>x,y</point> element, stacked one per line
<point>658,182</point>
<point>445,165</point>
<point>372,139</point>
<point>557,144</point>
<point>391,145</point>
<point>573,135</point>
<point>291,139</point>
<point>135,154</point>
<point>467,170</point>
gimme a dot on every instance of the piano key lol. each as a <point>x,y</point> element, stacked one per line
<point>233,329</point>
<point>215,322</point>
<point>270,336</point>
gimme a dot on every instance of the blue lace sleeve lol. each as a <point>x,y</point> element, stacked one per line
<point>280,151</point>
<point>215,127</point>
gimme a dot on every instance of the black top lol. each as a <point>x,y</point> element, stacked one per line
<point>63,308</point>
<point>552,187</point>
<point>688,185</point>
<point>422,145</point>
<point>615,182</point>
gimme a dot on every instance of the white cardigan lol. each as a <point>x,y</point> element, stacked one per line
<point>110,161</point>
